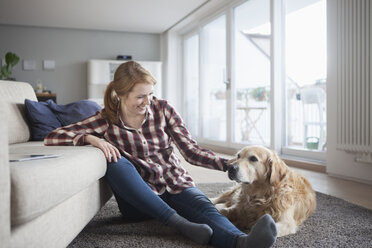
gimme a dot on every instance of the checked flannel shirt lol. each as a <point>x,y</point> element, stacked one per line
<point>150,148</point>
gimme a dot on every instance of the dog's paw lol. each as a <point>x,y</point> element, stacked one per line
<point>285,229</point>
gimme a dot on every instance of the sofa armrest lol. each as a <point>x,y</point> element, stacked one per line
<point>4,179</point>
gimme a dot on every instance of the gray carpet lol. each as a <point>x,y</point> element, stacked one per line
<point>335,223</point>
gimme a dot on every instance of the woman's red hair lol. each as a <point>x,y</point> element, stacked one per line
<point>127,75</point>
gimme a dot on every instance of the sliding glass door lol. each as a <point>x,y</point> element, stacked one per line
<point>306,72</point>
<point>233,103</point>
<point>213,73</point>
<point>251,72</point>
<point>191,79</point>
<point>228,65</point>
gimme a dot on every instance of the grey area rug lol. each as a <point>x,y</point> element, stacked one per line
<point>335,223</point>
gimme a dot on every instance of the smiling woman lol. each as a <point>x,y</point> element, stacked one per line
<point>132,97</point>
<point>135,104</point>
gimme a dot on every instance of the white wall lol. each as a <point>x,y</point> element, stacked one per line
<point>71,49</point>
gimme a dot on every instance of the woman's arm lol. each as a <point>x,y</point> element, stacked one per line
<point>88,131</point>
<point>188,147</point>
<point>75,133</point>
<point>110,151</point>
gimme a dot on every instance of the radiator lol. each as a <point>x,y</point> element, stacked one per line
<point>354,69</point>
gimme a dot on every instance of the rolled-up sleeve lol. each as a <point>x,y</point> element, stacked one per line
<point>188,147</point>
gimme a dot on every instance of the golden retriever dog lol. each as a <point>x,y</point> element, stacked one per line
<point>266,186</point>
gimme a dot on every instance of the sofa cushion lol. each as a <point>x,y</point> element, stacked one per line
<point>44,117</point>
<point>74,112</point>
<point>13,95</point>
<point>41,119</point>
<point>39,185</point>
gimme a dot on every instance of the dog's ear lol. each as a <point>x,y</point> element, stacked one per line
<point>276,169</point>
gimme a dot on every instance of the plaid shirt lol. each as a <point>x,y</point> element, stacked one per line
<point>150,148</point>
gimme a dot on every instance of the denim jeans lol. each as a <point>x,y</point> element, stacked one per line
<point>137,201</point>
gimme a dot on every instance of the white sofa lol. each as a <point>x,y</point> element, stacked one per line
<point>46,202</point>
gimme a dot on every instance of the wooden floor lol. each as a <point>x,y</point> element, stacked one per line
<point>354,192</point>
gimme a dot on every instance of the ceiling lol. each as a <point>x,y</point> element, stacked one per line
<point>145,16</point>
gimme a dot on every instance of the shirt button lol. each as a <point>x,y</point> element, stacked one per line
<point>139,131</point>
<point>144,142</point>
<point>149,160</point>
<point>146,154</point>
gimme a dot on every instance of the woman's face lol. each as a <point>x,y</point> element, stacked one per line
<point>136,102</point>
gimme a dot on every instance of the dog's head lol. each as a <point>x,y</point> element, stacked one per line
<point>256,163</point>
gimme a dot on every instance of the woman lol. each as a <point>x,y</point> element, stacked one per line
<point>136,133</point>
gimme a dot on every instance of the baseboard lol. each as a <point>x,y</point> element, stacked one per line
<point>312,166</point>
<point>354,179</point>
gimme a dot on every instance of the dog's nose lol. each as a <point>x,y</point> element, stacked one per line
<point>232,171</point>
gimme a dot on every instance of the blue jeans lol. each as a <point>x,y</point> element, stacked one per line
<point>137,202</point>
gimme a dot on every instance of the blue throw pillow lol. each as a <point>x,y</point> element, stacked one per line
<point>41,119</point>
<point>74,112</point>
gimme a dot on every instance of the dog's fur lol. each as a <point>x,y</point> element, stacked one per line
<point>266,186</point>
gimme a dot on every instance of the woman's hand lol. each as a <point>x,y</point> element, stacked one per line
<point>109,150</point>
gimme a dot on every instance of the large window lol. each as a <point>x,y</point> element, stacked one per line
<point>306,64</point>
<point>229,93</point>
<point>251,72</point>
<point>191,79</point>
<point>213,89</point>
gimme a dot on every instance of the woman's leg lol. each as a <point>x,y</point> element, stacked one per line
<point>195,206</point>
<point>128,211</point>
<point>130,188</point>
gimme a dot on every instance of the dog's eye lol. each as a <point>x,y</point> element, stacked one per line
<point>238,156</point>
<point>253,159</point>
